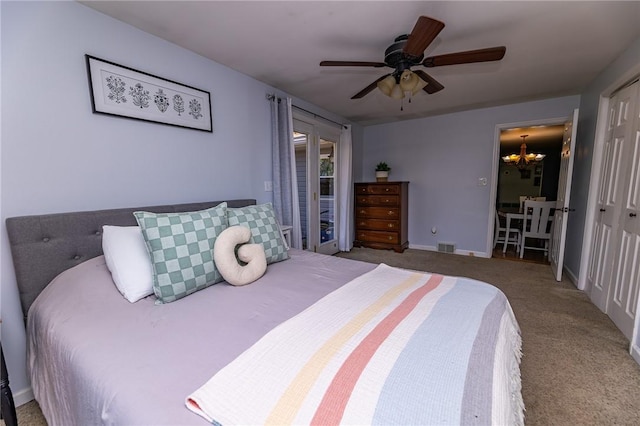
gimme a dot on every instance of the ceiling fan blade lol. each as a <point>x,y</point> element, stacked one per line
<point>369,88</point>
<point>468,57</point>
<point>424,32</point>
<point>352,64</point>
<point>432,84</point>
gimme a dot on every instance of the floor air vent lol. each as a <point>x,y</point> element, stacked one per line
<point>446,247</point>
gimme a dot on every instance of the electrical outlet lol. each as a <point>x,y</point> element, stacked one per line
<point>482,181</point>
<point>268,186</point>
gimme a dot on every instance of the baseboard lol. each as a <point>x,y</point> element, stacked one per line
<point>458,252</point>
<point>23,396</point>
<point>419,247</point>
<point>571,276</point>
<point>635,353</point>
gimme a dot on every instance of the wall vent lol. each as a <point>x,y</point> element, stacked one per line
<point>446,247</point>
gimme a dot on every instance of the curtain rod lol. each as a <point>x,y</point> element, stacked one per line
<point>272,97</point>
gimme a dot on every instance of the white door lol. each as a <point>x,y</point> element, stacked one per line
<point>327,232</point>
<point>625,279</point>
<point>559,233</point>
<point>610,192</point>
<point>316,163</point>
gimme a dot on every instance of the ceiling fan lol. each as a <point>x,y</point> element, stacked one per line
<point>408,51</point>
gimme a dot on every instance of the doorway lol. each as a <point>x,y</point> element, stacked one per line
<point>536,180</point>
<point>316,149</point>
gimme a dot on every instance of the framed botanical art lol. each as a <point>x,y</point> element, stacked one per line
<point>126,92</point>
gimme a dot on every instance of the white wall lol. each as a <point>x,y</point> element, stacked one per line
<point>443,157</point>
<point>57,156</point>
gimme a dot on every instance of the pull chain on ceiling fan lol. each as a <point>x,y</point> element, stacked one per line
<point>408,51</point>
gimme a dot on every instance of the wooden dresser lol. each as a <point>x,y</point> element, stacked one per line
<point>381,215</point>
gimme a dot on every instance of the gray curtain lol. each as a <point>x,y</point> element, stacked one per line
<point>345,236</point>
<point>285,192</point>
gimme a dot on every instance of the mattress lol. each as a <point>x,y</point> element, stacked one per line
<point>95,358</point>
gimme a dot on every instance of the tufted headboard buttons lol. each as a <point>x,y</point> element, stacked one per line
<point>43,246</point>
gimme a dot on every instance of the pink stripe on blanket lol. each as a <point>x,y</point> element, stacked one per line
<point>334,402</point>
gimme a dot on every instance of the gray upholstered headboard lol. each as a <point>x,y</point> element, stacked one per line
<point>45,245</point>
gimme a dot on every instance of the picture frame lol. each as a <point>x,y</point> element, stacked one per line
<point>126,92</point>
<point>538,170</point>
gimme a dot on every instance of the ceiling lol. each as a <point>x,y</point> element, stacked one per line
<point>554,48</point>
<point>539,138</point>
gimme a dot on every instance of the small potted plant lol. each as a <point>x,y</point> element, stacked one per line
<point>382,172</point>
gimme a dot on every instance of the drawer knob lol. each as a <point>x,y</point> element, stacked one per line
<point>362,211</point>
<point>390,212</point>
<point>390,225</point>
<point>390,237</point>
<point>387,189</point>
<point>363,200</point>
<point>362,223</point>
<point>387,201</point>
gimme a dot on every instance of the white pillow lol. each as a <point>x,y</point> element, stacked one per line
<point>128,260</point>
<point>224,256</point>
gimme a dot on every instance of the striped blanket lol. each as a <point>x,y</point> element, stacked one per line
<point>390,347</point>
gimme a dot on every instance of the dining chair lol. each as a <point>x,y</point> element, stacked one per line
<point>500,234</point>
<point>537,224</point>
<point>523,198</point>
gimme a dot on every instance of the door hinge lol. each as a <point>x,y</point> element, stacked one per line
<point>314,196</point>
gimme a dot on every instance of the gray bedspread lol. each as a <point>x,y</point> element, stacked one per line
<point>95,358</point>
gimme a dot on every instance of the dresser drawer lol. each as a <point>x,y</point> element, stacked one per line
<point>377,189</point>
<point>378,200</point>
<point>378,237</point>
<point>378,212</point>
<point>378,224</point>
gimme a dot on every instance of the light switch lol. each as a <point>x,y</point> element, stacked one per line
<point>268,186</point>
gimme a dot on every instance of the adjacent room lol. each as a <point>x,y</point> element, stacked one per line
<point>328,212</point>
<point>529,170</point>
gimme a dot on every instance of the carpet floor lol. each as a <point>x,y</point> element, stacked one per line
<point>576,368</point>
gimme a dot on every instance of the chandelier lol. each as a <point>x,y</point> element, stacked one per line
<point>522,160</point>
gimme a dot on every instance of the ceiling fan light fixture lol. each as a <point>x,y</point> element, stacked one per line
<point>410,82</point>
<point>397,92</point>
<point>386,85</point>
<point>419,86</point>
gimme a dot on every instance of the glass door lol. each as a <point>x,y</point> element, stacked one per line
<point>302,140</point>
<point>316,165</point>
<point>327,205</point>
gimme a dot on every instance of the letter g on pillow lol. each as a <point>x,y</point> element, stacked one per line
<point>224,256</point>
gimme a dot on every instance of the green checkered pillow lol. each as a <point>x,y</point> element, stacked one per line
<point>181,249</point>
<point>261,220</point>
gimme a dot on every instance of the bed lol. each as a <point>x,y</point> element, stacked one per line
<point>311,333</point>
